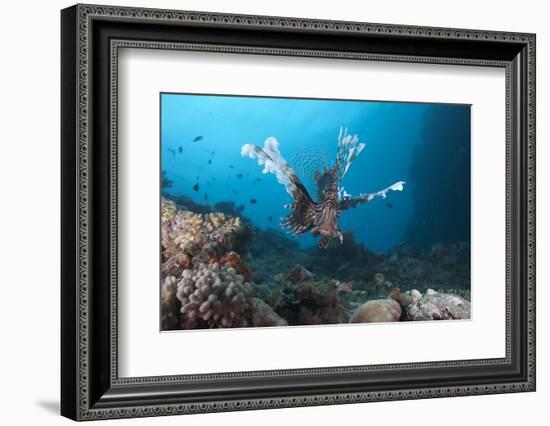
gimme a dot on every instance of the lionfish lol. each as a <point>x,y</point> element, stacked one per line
<point>319,213</point>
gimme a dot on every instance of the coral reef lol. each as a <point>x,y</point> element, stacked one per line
<point>442,266</point>
<point>219,270</point>
<point>213,297</point>
<point>438,306</point>
<point>383,310</point>
<point>308,301</point>
<point>190,238</point>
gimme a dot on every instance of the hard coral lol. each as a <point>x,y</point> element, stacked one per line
<point>235,261</point>
<point>213,297</point>
<point>384,310</point>
<point>169,304</point>
<point>403,298</point>
<point>191,237</point>
<point>262,315</point>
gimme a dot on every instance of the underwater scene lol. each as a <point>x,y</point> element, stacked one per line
<point>295,211</point>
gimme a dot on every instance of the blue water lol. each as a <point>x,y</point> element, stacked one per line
<point>426,145</point>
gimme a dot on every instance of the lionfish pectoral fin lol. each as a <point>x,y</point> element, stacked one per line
<point>302,215</point>
<point>349,202</point>
<point>301,218</point>
<point>270,157</point>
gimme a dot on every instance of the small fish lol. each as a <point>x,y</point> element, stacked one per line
<point>270,218</point>
<point>213,152</point>
<point>196,187</point>
<point>197,178</point>
<point>234,191</point>
<point>231,167</point>
<point>197,138</point>
<point>257,180</point>
<point>206,197</point>
<point>172,151</point>
<point>214,179</point>
<point>240,208</point>
<point>253,201</point>
<point>209,161</point>
<point>390,205</point>
<point>180,149</point>
<point>240,175</point>
<point>208,183</point>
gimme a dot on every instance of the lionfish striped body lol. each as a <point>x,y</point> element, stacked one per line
<point>319,216</point>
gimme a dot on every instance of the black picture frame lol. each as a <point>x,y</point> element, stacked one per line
<point>90,386</point>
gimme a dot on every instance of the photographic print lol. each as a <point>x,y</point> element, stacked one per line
<point>283,211</point>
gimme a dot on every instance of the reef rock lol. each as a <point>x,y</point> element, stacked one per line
<point>309,303</point>
<point>438,306</point>
<point>263,316</point>
<point>403,298</point>
<point>299,274</point>
<point>382,310</point>
<point>213,297</point>
<point>416,295</point>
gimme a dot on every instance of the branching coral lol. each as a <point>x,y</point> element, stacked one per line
<point>213,297</point>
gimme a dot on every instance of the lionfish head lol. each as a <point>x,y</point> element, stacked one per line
<point>312,166</point>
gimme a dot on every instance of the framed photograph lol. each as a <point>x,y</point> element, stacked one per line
<point>263,212</point>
